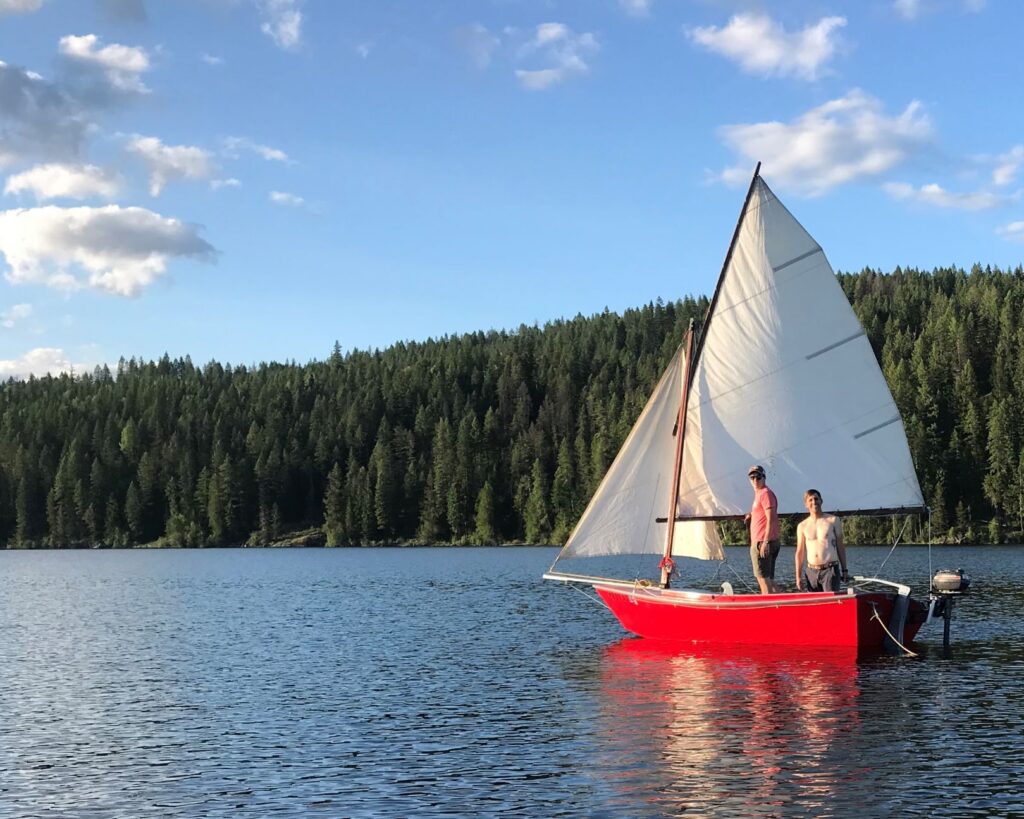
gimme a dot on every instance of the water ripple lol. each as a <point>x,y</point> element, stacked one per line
<point>453,682</point>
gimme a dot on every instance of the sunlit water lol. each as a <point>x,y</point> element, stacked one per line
<point>424,682</point>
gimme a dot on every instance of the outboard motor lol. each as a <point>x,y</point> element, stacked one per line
<point>947,585</point>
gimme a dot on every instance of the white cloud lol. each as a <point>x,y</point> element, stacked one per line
<point>1013,231</point>
<point>40,361</point>
<point>55,180</point>
<point>37,118</point>
<point>937,196</point>
<point>843,140</point>
<point>167,162</point>
<point>1008,165</point>
<point>282,198</point>
<point>282,22</point>
<point>20,6</point>
<point>210,59</point>
<point>478,42</point>
<point>218,184</point>
<point>363,49</point>
<point>233,146</point>
<point>559,52</point>
<point>762,46</point>
<point>120,250</point>
<point>12,315</point>
<point>121,64</point>
<point>637,8</point>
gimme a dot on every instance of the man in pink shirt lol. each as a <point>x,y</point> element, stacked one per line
<point>764,531</point>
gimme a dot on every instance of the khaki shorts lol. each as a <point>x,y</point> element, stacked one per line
<point>764,567</point>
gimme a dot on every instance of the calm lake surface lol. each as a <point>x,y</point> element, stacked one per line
<point>423,682</point>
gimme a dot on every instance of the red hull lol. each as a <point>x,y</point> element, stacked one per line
<point>805,619</point>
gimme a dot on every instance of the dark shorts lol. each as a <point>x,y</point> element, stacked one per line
<point>824,579</point>
<point>764,567</point>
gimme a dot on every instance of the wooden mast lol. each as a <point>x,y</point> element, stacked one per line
<point>666,562</point>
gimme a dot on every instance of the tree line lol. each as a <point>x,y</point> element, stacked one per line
<point>481,438</point>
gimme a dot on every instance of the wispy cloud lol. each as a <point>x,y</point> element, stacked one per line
<point>289,199</point>
<point>478,42</point>
<point>111,249</point>
<point>218,184</point>
<point>130,11</point>
<point>908,9</point>
<point>637,8</point>
<point>210,59</point>
<point>20,6</point>
<point>760,45</point>
<point>234,146</point>
<point>122,65</point>
<point>558,54</point>
<point>1008,165</point>
<point>168,162</point>
<point>1013,231</point>
<point>282,22</point>
<point>12,315</point>
<point>57,181</point>
<point>937,196</point>
<point>841,141</point>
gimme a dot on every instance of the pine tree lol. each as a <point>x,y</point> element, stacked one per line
<point>537,515</point>
<point>484,533</point>
<point>334,509</point>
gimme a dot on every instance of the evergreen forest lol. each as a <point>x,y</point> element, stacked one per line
<point>490,437</point>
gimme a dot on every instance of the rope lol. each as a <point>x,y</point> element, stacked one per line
<point>896,543</point>
<point>589,596</point>
<point>875,616</point>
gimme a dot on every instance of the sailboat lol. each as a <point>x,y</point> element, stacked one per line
<point>782,375</point>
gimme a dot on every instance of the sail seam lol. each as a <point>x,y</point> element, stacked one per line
<point>797,259</point>
<point>769,457</point>
<point>824,350</point>
<point>785,366</point>
<point>876,427</point>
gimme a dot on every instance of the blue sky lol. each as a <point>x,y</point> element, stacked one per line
<point>249,180</point>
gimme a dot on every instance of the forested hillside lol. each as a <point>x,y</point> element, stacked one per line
<point>482,438</point>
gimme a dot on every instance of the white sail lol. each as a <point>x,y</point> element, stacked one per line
<point>621,517</point>
<point>786,378</point>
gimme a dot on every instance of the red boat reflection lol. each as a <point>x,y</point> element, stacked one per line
<point>732,730</point>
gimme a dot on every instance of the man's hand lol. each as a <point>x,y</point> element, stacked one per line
<point>764,548</point>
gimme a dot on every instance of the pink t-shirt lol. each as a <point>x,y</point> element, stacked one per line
<point>764,499</point>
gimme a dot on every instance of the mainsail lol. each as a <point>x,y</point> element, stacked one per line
<point>785,377</point>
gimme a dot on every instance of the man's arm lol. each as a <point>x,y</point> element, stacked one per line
<point>801,550</point>
<point>841,547</point>
<point>771,519</point>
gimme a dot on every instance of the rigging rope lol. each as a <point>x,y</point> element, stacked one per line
<point>589,596</point>
<point>878,571</point>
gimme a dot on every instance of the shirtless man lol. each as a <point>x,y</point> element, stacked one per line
<point>763,520</point>
<point>819,540</point>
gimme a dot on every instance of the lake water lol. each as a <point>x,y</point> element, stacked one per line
<point>427,682</point>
